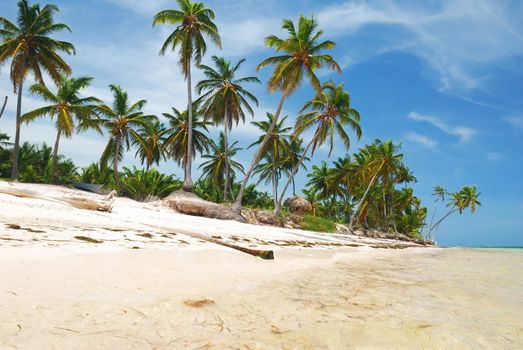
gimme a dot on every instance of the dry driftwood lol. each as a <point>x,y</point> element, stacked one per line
<point>264,254</point>
<point>106,204</point>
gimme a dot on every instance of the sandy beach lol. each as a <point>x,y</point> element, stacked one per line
<point>149,286</point>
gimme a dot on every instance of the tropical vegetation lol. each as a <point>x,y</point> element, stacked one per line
<point>367,188</point>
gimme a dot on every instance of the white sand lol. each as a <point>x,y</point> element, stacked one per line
<point>57,292</point>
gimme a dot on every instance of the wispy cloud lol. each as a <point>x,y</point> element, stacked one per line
<point>462,132</point>
<point>422,140</point>
<point>460,41</point>
<point>516,121</point>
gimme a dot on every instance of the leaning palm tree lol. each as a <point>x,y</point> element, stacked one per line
<point>381,160</point>
<point>70,111</point>
<point>122,122</point>
<point>177,136</point>
<point>225,98</point>
<point>465,198</point>
<point>329,113</point>
<point>193,21</point>
<point>31,50</point>
<point>218,159</point>
<point>303,54</point>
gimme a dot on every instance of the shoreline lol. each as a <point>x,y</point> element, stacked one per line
<point>175,291</point>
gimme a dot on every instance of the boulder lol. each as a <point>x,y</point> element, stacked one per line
<point>298,205</point>
<point>190,204</point>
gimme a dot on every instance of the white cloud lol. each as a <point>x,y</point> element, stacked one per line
<point>458,39</point>
<point>463,133</point>
<point>422,140</point>
<point>516,121</point>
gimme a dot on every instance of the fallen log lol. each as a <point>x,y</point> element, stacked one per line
<point>264,254</point>
<point>106,204</point>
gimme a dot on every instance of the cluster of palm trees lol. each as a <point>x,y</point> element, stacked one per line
<point>360,189</point>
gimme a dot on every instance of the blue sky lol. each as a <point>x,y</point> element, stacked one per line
<point>445,78</point>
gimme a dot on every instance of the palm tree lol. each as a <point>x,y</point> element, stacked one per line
<point>193,20</point>
<point>293,155</point>
<point>32,50</point>
<point>123,122</point>
<point>225,98</point>
<point>66,106</point>
<point>218,159</point>
<point>177,136</point>
<point>319,181</point>
<point>276,147</point>
<point>381,161</point>
<point>303,54</point>
<point>465,198</point>
<point>153,150</point>
<point>329,112</point>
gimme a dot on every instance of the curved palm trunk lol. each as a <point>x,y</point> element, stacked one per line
<point>115,165</point>
<point>3,107</point>
<point>16,147</point>
<point>187,182</point>
<point>238,204</point>
<point>452,211</point>
<point>225,141</point>
<point>358,206</point>
<point>54,168</point>
<point>277,208</point>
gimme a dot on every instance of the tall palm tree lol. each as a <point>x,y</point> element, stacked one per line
<point>276,147</point>
<point>153,150</point>
<point>69,109</point>
<point>32,50</point>
<point>177,135</point>
<point>225,98</point>
<point>123,120</point>
<point>218,159</point>
<point>329,112</point>
<point>192,22</point>
<point>302,55</point>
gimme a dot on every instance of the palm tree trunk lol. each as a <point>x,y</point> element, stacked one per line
<point>54,168</point>
<point>293,187</point>
<point>358,206</point>
<point>16,147</point>
<point>452,211</point>
<point>385,224</point>
<point>274,185</point>
<point>225,141</point>
<point>392,210</point>
<point>187,182</point>
<point>291,176</point>
<point>238,204</point>
<point>3,107</point>
<point>115,165</point>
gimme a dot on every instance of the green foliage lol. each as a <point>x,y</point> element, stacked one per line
<point>93,174</point>
<point>317,224</point>
<point>141,184</point>
<point>35,165</point>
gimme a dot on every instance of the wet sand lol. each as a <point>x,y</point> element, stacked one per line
<point>359,298</point>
